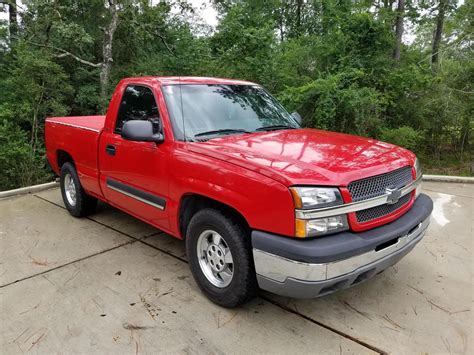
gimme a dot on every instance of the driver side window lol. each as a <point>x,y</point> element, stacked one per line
<point>138,103</point>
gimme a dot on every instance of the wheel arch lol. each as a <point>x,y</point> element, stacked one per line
<point>63,157</point>
<point>191,203</point>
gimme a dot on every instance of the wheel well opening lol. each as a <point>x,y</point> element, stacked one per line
<point>63,157</point>
<point>190,204</point>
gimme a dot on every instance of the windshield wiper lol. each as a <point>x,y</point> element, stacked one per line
<point>222,131</point>
<point>274,127</point>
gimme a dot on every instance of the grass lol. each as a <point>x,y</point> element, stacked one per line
<point>447,165</point>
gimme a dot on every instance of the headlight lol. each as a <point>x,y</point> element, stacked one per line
<point>417,167</point>
<point>320,226</point>
<point>418,173</point>
<point>316,197</point>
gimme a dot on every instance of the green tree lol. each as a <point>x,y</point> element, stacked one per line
<point>345,65</point>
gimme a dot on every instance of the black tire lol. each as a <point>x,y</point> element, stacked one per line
<point>243,285</point>
<point>84,204</point>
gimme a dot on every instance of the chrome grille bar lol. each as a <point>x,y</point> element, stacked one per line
<point>354,206</point>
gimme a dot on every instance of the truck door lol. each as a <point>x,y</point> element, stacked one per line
<point>134,174</point>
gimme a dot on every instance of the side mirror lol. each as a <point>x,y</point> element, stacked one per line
<point>140,131</point>
<point>297,117</point>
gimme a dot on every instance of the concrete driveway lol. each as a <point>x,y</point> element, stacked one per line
<point>111,284</point>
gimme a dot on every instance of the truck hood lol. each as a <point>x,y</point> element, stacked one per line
<point>307,156</point>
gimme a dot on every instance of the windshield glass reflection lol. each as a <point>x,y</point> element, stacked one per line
<point>214,110</point>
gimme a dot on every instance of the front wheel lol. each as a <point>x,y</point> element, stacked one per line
<point>220,256</point>
<point>77,202</point>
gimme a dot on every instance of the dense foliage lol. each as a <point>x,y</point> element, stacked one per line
<point>344,65</point>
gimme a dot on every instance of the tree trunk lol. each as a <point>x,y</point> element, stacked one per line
<point>438,33</point>
<point>299,5</point>
<point>13,19</point>
<point>399,29</point>
<point>107,60</point>
<point>466,127</point>
<point>281,20</point>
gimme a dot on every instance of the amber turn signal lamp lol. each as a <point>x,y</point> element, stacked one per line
<point>300,228</point>
<point>296,198</point>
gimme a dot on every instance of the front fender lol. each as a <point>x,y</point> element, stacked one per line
<point>265,204</point>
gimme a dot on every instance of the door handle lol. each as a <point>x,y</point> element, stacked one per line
<point>110,149</point>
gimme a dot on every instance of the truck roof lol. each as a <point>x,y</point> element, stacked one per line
<point>189,80</point>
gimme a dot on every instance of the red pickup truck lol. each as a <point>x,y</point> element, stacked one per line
<point>259,201</point>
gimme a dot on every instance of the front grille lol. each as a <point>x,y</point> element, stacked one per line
<point>382,210</point>
<point>375,186</point>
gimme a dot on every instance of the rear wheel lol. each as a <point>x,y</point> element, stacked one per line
<point>220,256</point>
<point>77,202</point>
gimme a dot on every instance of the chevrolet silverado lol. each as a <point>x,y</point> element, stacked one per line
<point>259,201</point>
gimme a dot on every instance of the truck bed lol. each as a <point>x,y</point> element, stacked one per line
<point>79,137</point>
<point>93,123</point>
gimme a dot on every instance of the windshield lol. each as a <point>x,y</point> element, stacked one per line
<point>215,110</point>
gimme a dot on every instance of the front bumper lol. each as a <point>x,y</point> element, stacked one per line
<point>319,266</point>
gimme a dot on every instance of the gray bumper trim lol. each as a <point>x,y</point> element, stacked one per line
<point>303,280</point>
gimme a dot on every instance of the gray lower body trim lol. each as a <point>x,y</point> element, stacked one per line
<point>302,280</point>
<point>137,194</point>
<point>312,289</point>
